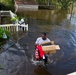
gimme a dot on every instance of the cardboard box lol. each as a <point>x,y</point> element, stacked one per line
<point>46,43</point>
<point>48,49</point>
<point>50,52</point>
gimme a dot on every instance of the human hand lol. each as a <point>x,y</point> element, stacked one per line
<point>43,57</point>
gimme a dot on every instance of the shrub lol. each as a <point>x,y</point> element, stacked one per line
<point>2,31</point>
<point>14,19</point>
<point>6,4</point>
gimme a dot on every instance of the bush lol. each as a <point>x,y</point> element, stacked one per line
<point>6,4</point>
<point>2,31</point>
<point>14,19</point>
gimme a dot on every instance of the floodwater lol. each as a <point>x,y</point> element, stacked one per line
<point>60,26</point>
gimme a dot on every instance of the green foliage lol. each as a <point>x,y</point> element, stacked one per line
<point>24,18</point>
<point>14,19</point>
<point>2,31</point>
<point>6,4</point>
<point>7,33</point>
<point>44,2</point>
<point>64,3</point>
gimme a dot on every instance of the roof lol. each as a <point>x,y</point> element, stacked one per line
<point>27,2</point>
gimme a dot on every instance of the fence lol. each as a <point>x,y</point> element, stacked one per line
<point>14,27</point>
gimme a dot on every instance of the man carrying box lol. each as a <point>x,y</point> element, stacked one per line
<point>39,53</point>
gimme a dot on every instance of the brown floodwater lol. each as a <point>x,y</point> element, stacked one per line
<point>60,26</point>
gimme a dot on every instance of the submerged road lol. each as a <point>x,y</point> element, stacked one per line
<point>17,59</point>
<point>64,61</point>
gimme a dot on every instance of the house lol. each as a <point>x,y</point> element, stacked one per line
<point>25,5</point>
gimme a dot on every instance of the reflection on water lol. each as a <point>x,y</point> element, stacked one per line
<point>54,16</point>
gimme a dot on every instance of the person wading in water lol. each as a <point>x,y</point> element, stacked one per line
<point>39,54</point>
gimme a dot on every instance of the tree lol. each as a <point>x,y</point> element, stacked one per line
<point>64,4</point>
<point>6,4</point>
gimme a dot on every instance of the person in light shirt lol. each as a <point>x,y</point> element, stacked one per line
<point>39,41</point>
<point>42,39</point>
<point>22,23</point>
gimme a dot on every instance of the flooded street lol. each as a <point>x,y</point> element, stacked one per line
<point>60,28</point>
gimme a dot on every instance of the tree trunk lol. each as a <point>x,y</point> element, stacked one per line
<point>71,9</point>
<point>48,2</point>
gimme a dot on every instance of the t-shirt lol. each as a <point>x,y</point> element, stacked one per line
<point>22,22</point>
<point>40,40</point>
